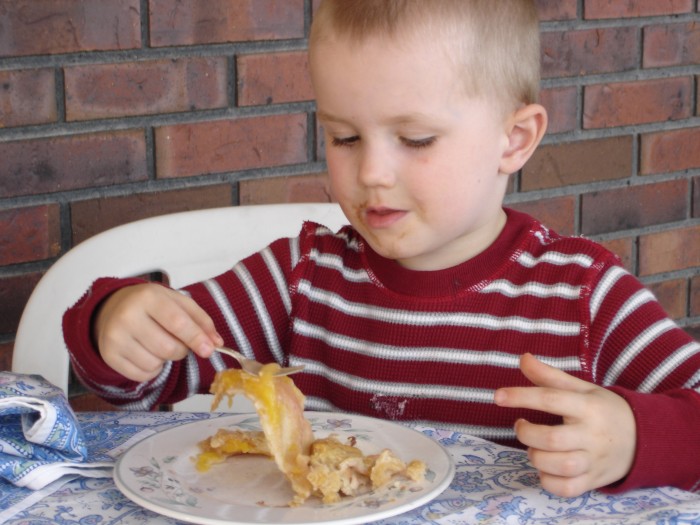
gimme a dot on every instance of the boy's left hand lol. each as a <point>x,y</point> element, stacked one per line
<point>593,447</point>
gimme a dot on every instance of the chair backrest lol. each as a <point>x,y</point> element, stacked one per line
<point>188,247</point>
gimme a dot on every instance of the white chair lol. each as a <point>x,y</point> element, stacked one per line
<point>187,247</point>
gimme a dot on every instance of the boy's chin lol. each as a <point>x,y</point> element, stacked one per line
<point>404,257</point>
<point>388,252</point>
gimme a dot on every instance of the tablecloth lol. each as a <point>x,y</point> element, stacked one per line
<point>492,485</point>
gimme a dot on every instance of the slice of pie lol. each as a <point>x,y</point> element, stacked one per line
<point>324,467</point>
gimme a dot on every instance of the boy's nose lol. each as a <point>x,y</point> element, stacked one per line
<point>376,168</point>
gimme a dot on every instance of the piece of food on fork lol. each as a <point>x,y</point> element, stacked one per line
<point>280,407</point>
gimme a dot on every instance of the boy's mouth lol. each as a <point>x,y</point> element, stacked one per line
<point>382,217</point>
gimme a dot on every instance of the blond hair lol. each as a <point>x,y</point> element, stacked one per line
<point>493,43</point>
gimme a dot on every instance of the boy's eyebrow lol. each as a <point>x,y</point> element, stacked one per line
<point>327,117</point>
<point>408,118</point>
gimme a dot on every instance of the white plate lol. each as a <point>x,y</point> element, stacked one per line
<point>158,473</point>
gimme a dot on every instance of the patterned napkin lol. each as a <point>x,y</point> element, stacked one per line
<point>40,438</point>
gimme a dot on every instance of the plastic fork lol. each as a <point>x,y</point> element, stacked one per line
<point>252,366</point>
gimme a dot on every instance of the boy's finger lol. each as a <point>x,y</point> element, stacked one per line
<point>158,343</point>
<point>143,366</point>
<point>176,318</point>
<point>564,403</point>
<point>565,487</point>
<point>569,464</point>
<point>203,319</point>
<point>136,362</point>
<point>544,375</point>
<point>548,438</point>
<point>133,372</point>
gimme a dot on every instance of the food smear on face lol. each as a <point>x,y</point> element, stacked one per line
<point>325,468</point>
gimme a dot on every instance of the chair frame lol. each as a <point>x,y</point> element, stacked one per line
<point>187,247</point>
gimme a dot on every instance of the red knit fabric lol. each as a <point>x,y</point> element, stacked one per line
<point>381,340</point>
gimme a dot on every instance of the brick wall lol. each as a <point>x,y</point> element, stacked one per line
<point>113,110</point>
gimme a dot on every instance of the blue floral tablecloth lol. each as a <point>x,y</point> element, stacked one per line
<point>492,485</point>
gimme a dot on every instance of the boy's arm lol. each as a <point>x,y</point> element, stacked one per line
<point>223,298</point>
<point>610,438</point>
<point>668,426</point>
<point>635,355</point>
<point>648,360</point>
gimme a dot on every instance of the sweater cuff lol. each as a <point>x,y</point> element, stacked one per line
<point>77,333</point>
<point>667,444</point>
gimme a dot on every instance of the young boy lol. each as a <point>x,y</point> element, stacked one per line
<point>436,304</point>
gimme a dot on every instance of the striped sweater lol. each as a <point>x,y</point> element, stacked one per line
<point>385,341</point>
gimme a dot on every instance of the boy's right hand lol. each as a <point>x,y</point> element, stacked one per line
<point>140,327</point>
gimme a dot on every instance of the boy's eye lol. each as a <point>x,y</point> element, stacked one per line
<point>418,143</point>
<point>345,141</point>
<point>410,143</point>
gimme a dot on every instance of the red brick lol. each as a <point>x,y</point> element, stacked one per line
<point>46,27</point>
<point>190,22</point>
<point>695,296</point>
<point>696,197</point>
<point>670,151</point>
<point>673,296</point>
<point>6,356</point>
<point>639,102</point>
<point>561,108</point>
<point>142,88</point>
<point>269,78</point>
<point>272,190</point>
<point>54,164</point>
<point>589,51</point>
<point>617,9</point>
<point>669,251</point>
<point>27,97</point>
<point>693,331</point>
<point>14,294</point>
<point>557,213</point>
<point>624,248</point>
<point>564,164</point>
<point>29,234</point>
<point>556,9</point>
<point>90,217</point>
<point>185,150</point>
<point>672,45</point>
<point>633,207</point>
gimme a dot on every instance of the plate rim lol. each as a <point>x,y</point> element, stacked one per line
<point>223,420</point>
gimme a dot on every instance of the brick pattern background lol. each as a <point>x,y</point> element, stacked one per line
<point>115,110</point>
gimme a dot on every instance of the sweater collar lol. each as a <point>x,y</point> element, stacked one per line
<point>462,277</point>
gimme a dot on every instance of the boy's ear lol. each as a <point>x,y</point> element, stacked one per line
<point>526,127</point>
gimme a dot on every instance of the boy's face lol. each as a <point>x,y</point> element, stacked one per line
<point>413,161</point>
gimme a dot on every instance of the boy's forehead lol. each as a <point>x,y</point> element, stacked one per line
<point>397,64</point>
